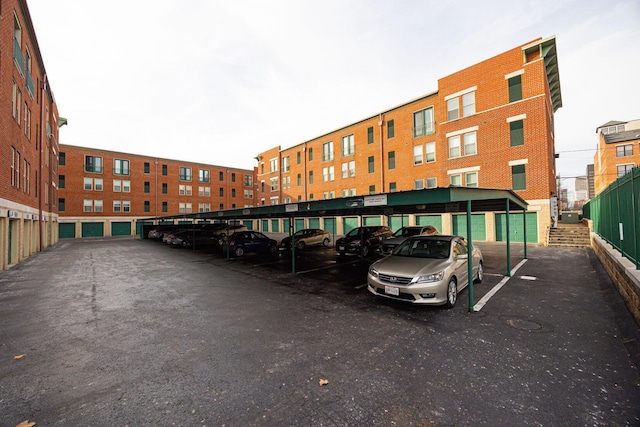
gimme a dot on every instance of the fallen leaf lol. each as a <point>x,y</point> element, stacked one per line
<point>323,382</point>
<point>26,423</point>
<point>18,357</point>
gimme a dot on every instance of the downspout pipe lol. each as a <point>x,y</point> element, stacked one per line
<point>43,87</point>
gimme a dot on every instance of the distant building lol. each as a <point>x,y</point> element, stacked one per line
<point>590,181</point>
<point>581,186</point>
<point>618,151</point>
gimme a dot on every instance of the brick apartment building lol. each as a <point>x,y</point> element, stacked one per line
<point>28,140</point>
<point>105,193</point>
<point>490,125</point>
<point>618,152</point>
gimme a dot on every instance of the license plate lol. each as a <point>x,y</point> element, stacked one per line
<point>341,248</point>
<point>392,290</point>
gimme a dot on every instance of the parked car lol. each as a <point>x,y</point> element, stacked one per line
<point>221,233</point>
<point>200,239</point>
<point>425,270</point>
<point>307,237</point>
<point>177,239</point>
<point>242,242</point>
<point>363,240</point>
<point>401,234</point>
<point>156,233</point>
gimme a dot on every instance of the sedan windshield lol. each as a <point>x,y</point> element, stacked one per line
<point>406,232</point>
<point>422,248</point>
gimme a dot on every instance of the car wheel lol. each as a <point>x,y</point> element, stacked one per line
<point>480,274</point>
<point>365,251</point>
<point>452,293</point>
<point>300,246</point>
<point>239,251</point>
<point>325,243</point>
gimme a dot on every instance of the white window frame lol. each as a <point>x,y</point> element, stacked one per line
<point>273,165</point>
<point>117,186</point>
<point>87,205</point>
<point>431,179</point>
<point>430,152</point>
<point>348,146</point>
<point>97,206</point>
<point>417,155</point>
<point>327,151</point>
<point>88,184</point>
<point>286,167</point>
<point>98,184</point>
<point>418,184</point>
<point>273,184</point>
<point>117,206</point>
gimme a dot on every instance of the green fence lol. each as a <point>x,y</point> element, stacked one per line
<point>616,216</point>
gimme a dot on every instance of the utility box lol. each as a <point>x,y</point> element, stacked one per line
<point>570,218</point>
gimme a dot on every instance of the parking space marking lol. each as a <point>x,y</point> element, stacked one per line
<point>497,287</point>
<point>360,286</point>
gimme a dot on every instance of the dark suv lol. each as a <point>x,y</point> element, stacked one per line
<point>363,240</point>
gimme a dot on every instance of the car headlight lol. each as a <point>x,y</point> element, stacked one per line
<point>428,278</point>
<point>373,271</point>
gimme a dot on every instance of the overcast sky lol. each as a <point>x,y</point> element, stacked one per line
<point>220,81</point>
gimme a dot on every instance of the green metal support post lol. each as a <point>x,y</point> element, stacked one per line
<point>469,257</point>
<point>508,243</point>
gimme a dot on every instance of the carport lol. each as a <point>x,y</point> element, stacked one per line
<point>458,200</point>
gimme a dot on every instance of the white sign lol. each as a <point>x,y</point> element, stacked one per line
<point>291,208</point>
<point>379,200</point>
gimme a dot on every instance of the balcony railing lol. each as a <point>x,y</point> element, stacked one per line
<point>18,56</point>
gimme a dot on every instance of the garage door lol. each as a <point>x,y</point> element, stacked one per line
<point>248,223</point>
<point>314,222</point>
<point>329,225</point>
<point>66,231</point>
<point>265,225</point>
<point>299,224</point>
<point>285,225</point>
<point>92,229</point>
<point>478,226</point>
<point>349,224</point>
<point>516,230</point>
<point>398,221</point>
<point>121,229</point>
<point>275,226</point>
<point>435,220</point>
<point>372,220</point>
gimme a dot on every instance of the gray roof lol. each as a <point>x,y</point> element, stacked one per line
<point>629,135</point>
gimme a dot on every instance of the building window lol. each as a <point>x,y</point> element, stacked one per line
<point>126,186</point>
<point>273,163</point>
<point>432,182</point>
<point>299,180</point>
<point>273,183</point>
<point>624,150</point>
<point>468,107</point>
<point>310,177</point>
<point>349,169</point>
<point>286,167</point>
<point>188,207</point>
<point>147,206</point>
<point>204,191</point>
<point>248,181</point>
<point>165,207</point>
<point>328,174</point>
<point>185,173</point>
<point>88,184</point>
<point>392,160</point>
<point>147,167</point>
<point>371,164</point>
<point>221,191</point>
<point>165,171</point>
<point>203,175</point>
<point>370,135</point>
<point>423,122</point>
<point>518,177</point>
<point>262,168</point>
<point>120,167</point>
<point>221,176</point>
<point>273,200</point>
<point>392,187</point>
<point>430,148</point>
<point>17,101</point>
<point>248,194</point>
<point>310,153</point>
<point>147,187</point>
<point>390,129</point>
<point>204,207</point>
<point>372,189</point>
<point>97,184</point>
<point>286,183</point>
<point>233,190</point>
<point>93,164</point>
<point>62,160</point>
<point>298,157</point>
<point>515,88</point>
<point>452,109</point>
<point>417,155</point>
<point>233,177</point>
<point>87,205</point>
<point>456,180</point>
<point>470,145</point>
<point>117,185</point>
<point>61,181</point>
<point>97,206</point>
<point>613,129</point>
<point>348,145</point>
<point>516,132</point>
<point>327,151</point>
<point>418,184</point>
<point>165,188</point>
<point>61,205</point>
<point>117,206</point>
<point>471,179</point>
<point>624,169</point>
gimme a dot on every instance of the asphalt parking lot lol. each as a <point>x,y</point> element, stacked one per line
<point>127,332</point>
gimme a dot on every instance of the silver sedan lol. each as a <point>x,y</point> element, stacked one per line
<point>425,270</point>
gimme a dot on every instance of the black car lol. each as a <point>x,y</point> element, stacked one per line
<point>242,242</point>
<point>363,240</point>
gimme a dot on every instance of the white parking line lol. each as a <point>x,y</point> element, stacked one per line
<point>360,286</point>
<point>497,287</point>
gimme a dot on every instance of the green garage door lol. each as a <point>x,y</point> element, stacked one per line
<point>66,231</point>
<point>478,226</point>
<point>349,224</point>
<point>515,227</point>
<point>285,225</point>
<point>275,226</point>
<point>140,228</point>
<point>121,229</point>
<point>248,223</point>
<point>435,220</point>
<point>314,222</point>
<point>299,224</point>
<point>92,229</point>
<point>265,225</point>
<point>330,225</point>
<point>398,221</point>
<point>372,220</point>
